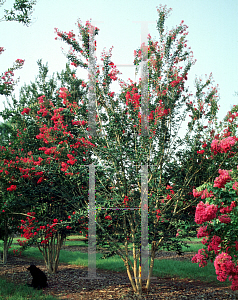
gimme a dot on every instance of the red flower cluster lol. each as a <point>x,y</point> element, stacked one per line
<point>126,199</point>
<point>200,152</point>
<point>26,111</point>
<point>20,62</point>
<point>40,180</point>
<point>177,81</point>
<point>160,111</point>
<point>157,214</point>
<point>133,97</point>
<point>7,78</point>
<point>113,72</point>
<point>12,188</point>
<point>28,228</point>
<point>72,160</point>
<point>48,233</point>
<point>78,122</point>
<point>64,93</point>
<point>16,251</point>
<point>69,35</point>
<point>64,167</point>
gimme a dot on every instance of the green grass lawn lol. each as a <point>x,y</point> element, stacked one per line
<point>12,291</point>
<point>162,268</point>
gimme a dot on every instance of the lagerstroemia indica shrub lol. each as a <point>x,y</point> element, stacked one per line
<point>218,216</point>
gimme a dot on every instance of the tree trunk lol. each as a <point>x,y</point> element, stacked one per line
<point>153,250</point>
<point>51,252</point>
<point>7,241</point>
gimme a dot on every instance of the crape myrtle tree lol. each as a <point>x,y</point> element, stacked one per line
<point>21,12</point>
<point>203,147</point>
<point>6,87</point>
<point>121,149</point>
<point>8,223</point>
<point>45,166</point>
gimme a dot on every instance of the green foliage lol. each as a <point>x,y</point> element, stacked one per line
<point>21,11</point>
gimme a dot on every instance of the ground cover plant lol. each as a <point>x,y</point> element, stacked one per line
<point>49,145</point>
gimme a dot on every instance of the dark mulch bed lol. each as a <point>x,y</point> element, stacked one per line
<point>68,283</point>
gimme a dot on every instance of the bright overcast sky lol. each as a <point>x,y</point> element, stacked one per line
<point>212,27</point>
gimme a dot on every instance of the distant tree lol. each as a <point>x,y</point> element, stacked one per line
<point>21,11</point>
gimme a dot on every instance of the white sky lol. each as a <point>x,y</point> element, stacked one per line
<point>212,27</point>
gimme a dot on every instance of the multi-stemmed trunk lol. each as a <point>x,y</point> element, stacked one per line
<point>51,251</point>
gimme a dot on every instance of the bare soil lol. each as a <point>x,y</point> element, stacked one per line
<point>68,283</point>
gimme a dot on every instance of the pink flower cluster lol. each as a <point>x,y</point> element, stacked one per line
<point>228,209</point>
<point>214,244</point>
<point>200,258</point>
<point>20,62</point>
<point>224,219</point>
<point>222,179</point>
<point>202,231</point>
<point>235,186</point>
<point>204,194</point>
<point>222,146</point>
<point>205,212</point>
<point>225,266</point>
